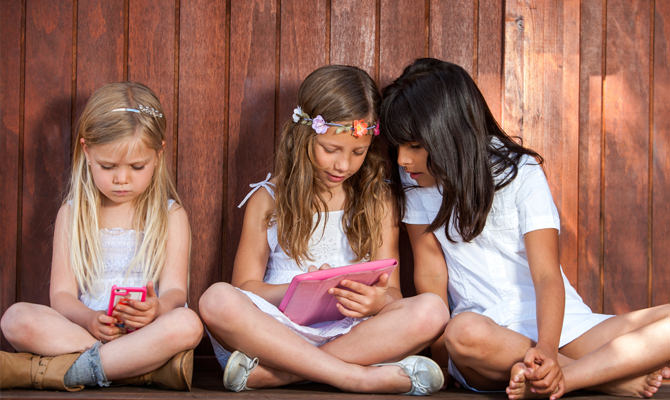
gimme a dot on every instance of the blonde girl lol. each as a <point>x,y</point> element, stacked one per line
<point>328,205</point>
<point>122,224</point>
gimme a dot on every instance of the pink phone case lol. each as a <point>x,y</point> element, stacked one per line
<point>307,301</point>
<point>120,292</point>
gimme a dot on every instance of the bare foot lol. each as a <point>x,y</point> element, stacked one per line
<point>517,388</point>
<point>665,372</point>
<point>641,386</point>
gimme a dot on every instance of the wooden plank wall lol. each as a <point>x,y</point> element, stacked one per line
<point>583,82</point>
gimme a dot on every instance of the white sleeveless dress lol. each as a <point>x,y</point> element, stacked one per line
<point>118,247</point>
<point>330,245</point>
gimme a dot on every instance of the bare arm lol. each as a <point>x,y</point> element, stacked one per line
<point>360,300</point>
<point>542,251</point>
<point>173,279</point>
<point>63,289</point>
<point>430,276</point>
<point>253,250</point>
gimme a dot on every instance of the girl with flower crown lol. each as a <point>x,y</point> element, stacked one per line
<point>327,205</point>
<point>121,224</point>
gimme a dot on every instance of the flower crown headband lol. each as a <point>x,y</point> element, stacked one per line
<point>320,126</point>
<point>141,109</point>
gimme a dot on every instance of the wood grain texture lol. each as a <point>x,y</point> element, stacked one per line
<point>151,57</point>
<point>402,37</point>
<point>202,134</point>
<point>99,47</point>
<point>352,34</point>
<point>452,32</point>
<point>303,48</point>
<point>46,140</point>
<point>549,102</point>
<point>590,153</point>
<point>490,54</point>
<point>252,119</point>
<point>660,294</point>
<point>402,40</point>
<point>10,136</point>
<point>626,111</point>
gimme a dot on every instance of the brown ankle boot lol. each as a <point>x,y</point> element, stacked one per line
<point>176,374</point>
<point>25,370</point>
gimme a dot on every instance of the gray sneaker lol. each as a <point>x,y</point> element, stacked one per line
<point>237,371</point>
<point>424,373</point>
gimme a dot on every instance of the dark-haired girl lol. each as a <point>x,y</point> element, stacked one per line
<point>484,233</point>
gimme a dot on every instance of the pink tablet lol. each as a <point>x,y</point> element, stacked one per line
<point>307,301</point>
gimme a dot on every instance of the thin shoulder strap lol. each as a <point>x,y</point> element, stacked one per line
<point>255,186</point>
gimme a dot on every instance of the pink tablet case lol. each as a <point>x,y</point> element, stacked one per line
<point>307,301</point>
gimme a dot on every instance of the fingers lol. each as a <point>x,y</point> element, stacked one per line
<point>383,281</point>
<point>349,312</point>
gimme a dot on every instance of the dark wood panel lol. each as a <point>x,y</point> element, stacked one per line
<point>452,32</point>
<point>251,125</point>
<point>303,48</point>
<point>626,112</point>
<point>489,53</point>
<point>352,34</point>
<point>661,157</point>
<point>151,56</point>
<point>402,37</point>
<point>99,47</point>
<point>10,107</point>
<point>590,154</point>
<point>202,105</point>
<point>47,131</point>
<point>402,40</point>
<point>549,100</point>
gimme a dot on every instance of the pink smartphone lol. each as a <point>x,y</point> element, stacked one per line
<point>119,293</point>
<point>307,300</point>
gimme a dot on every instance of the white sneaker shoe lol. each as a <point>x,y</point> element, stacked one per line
<point>237,371</point>
<point>426,376</point>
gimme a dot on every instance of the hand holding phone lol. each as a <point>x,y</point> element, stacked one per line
<point>103,327</point>
<point>135,314</point>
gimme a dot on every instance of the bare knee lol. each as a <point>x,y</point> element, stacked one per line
<point>429,314</point>
<point>18,323</point>
<point>184,328</point>
<point>220,302</point>
<point>467,334</point>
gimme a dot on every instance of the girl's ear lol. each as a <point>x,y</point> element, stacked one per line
<point>84,147</point>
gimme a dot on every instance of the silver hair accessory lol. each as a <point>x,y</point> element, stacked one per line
<point>141,108</point>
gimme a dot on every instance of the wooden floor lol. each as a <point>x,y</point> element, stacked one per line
<point>207,385</point>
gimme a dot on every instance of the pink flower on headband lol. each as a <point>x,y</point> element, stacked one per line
<point>319,125</point>
<point>360,128</point>
<point>376,131</point>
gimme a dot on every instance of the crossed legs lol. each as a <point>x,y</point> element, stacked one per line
<point>401,328</point>
<point>39,329</point>
<point>624,355</point>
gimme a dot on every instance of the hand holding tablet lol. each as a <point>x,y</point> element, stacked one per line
<point>307,300</point>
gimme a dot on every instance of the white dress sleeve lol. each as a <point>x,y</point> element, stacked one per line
<point>535,205</point>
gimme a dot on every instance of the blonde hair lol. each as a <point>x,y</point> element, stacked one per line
<point>337,93</point>
<point>101,122</point>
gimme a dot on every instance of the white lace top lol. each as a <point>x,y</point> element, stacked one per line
<point>118,249</point>
<point>328,244</point>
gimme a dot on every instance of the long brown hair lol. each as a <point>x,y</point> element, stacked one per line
<point>337,93</point>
